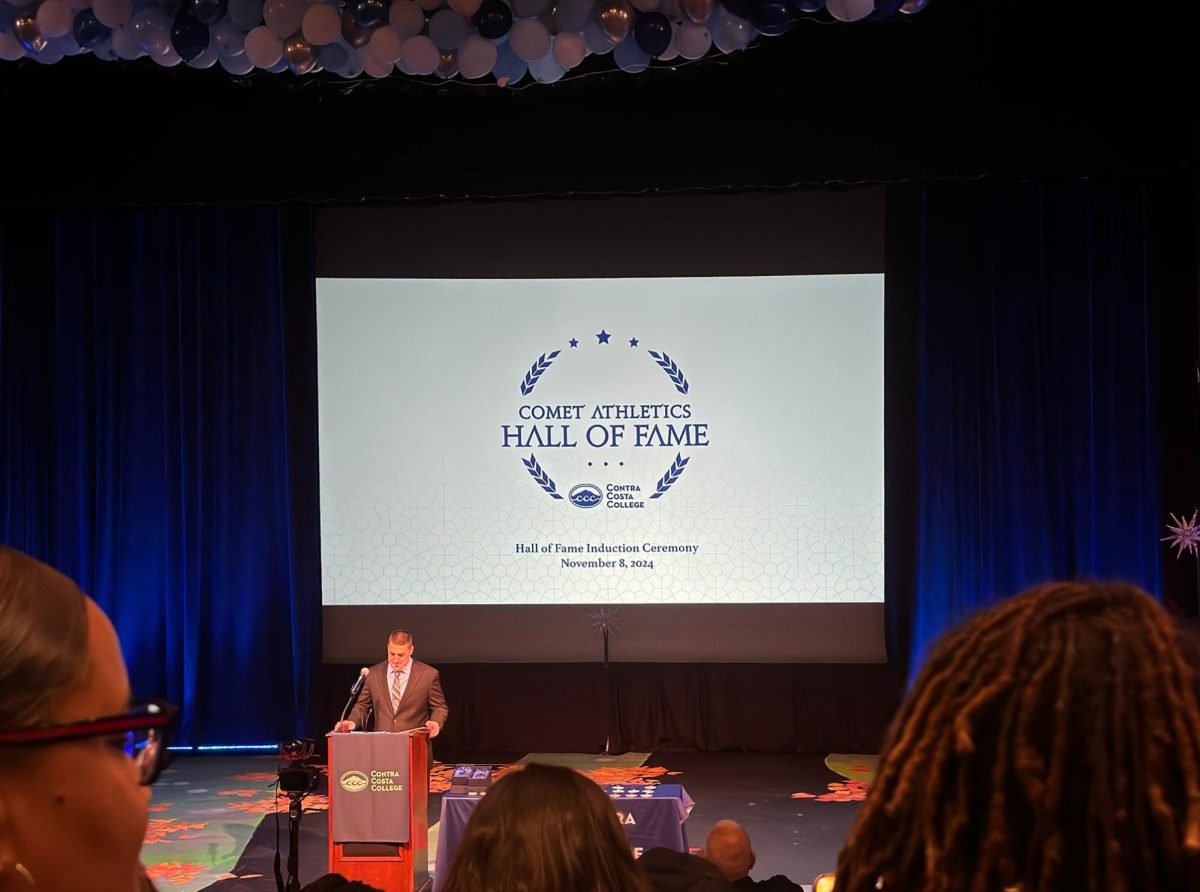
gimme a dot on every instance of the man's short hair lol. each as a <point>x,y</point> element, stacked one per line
<point>400,636</point>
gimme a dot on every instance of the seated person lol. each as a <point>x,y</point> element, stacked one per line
<point>544,829</point>
<point>667,870</point>
<point>76,759</point>
<point>728,847</point>
<point>1051,742</point>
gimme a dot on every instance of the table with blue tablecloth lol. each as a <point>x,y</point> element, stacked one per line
<point>651,816</point>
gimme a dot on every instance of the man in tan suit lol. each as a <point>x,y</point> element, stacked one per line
<point>401,692</point>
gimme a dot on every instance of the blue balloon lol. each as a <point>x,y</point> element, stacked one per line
<point>493,19</point>
<point>885,8</point>
<point>774,17</point>
<point>89,30</point>
<point>808,5</point>
<point>209,12</point>
<point>279,67</point>
<point>508,65</point>
<point>630,57</point>
<point>171,7</point>
<point>332,56</point>
<point>369,13</point>
<point>652,31</point>
<point>189,37</point>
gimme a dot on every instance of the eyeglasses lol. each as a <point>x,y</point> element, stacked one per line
<point>145,732</point>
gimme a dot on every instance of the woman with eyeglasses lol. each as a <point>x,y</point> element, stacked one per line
<point>76,759</point>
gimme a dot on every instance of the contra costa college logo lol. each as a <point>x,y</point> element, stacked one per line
<point>660,431</point>
<point>353,781</point>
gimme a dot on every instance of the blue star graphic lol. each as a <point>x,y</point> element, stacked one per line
<point>603,336</point>
<point>573,342</point>
<point>633,342</point>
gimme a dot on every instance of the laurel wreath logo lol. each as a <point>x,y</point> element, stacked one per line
<point>667,364</point>
<point>541,477</point>
<point>536,371</point>
<point>667,480</point>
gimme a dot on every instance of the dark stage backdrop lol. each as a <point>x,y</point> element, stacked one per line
<point>157,418</point>
<point>157,444</point>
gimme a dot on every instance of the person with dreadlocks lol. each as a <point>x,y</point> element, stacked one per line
<point>1051,742</point>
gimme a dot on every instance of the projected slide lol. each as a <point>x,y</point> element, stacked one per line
<point>623,441</point>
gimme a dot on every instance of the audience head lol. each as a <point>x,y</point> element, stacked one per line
<point>1049,743</point>
<point>544,829</point>
<point>72,802</point>
<point>728,847</point>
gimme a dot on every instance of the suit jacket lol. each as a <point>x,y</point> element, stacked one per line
<point>423,700</point>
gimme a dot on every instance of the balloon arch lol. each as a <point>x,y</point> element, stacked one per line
<point>503,40</point>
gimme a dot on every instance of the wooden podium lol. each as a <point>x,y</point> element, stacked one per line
<point>376,764</point>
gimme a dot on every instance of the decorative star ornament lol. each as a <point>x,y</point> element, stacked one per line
<point>1185,535</point>
<point>603,336</point>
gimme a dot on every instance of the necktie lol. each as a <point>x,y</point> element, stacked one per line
<point>397,690</point>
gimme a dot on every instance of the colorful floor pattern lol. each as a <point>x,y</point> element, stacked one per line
<point>206,809</point>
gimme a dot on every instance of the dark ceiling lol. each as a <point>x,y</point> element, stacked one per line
<point>966,88</point>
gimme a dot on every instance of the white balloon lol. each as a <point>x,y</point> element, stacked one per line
<point>206,59</point>
<point>113,13</point>
<point>421,55</point>
<point>263,47</point>
<point>228,37</point>
<point>730,33</point>
<point>693,41</point>
<point>237,65</point>
<point>529,39</point>
<point>283,17</point>
<point>850,10</point>
<point>406,18</point>
<point>373,66</point>
<point>477,57</point>
<point>125,43</point>
<point>429,5</point>
<point>385,47</point>
<point>595,38</point>
<point>569,49</point>
<point>321,24</point>
<point>168,59</point>
<point>448,29</point>
<point>631,57</point>
<point>10,48</point>
<point>546,70</point>
<point>153,30</point>
<point>54,18</point>
<point>645,5</point>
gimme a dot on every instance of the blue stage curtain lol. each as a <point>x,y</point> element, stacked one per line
<point>1039,306</point>
<point>158,445</point>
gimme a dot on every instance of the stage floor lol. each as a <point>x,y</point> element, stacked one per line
<point>212,824</point>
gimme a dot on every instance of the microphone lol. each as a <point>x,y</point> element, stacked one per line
<point>355,689</point>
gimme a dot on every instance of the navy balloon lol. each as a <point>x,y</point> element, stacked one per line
<point>209,12</point>
<point>773,17</point>
<point>369,13</point>
<point>189,37</point>
<point>493,19</point>
<point>89,31</point>
<point>885,8</point>
<point>652,31</point>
